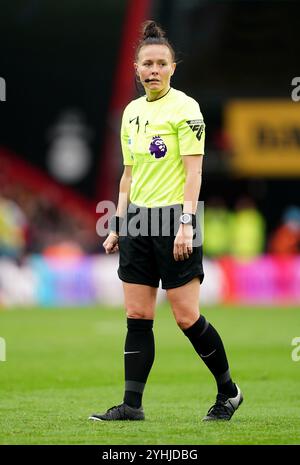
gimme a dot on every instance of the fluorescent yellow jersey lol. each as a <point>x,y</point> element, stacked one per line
<point>154,136</point>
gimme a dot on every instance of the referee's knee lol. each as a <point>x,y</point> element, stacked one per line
<point>142,314</point>
<point>186,321</point>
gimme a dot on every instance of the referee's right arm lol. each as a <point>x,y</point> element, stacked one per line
<point>124,191</point>
<point>111,244</point>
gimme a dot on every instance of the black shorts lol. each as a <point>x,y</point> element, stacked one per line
<point>146,249</point>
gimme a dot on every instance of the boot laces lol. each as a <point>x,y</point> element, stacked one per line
<point>219,407</point>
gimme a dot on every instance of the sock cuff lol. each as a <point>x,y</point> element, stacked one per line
<point>197,329</point>
<point>224,378</point>
<point>134,386</point>
<point>139,324</point>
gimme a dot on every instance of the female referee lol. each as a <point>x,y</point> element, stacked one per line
<point>162,137</point>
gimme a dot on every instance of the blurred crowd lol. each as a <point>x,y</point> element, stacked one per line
<point>242,232</point>
<point>31,224</point>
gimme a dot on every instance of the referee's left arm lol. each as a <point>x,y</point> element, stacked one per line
<point>193,172</point>
<point>183,243</point>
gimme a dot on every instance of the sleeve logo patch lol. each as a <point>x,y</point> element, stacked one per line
<point>197,126</point>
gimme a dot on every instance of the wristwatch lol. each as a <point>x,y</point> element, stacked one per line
<point>188,218</point>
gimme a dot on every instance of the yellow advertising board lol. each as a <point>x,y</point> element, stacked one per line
<point>264,136</point>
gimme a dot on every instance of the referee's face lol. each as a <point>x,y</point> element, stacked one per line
<point>155,67</point>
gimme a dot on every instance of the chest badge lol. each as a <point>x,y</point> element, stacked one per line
<point>157,147</point>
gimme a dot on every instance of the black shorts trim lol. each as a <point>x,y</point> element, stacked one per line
<point>182,283</point>
<point>134,281</point>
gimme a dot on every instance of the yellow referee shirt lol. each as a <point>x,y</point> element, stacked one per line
<point>154,136</point>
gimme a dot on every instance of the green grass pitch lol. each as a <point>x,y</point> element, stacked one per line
<point>63,364</point>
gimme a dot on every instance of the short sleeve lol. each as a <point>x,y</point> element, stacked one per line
<point>191,129</point>
<point>125,141</point>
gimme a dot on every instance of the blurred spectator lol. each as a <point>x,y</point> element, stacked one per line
<point>247,235</point>
<point>286,239</point>
<point>64,250</point>
<point>39,224</point>
<point>13,227</point>
<point>217,219</point>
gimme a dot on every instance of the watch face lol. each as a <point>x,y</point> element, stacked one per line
<point>186,218</point>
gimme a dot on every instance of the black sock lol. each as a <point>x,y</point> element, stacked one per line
<point>138,359</point>
<point>209,346</point>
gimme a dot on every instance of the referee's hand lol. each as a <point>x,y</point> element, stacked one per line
<point>111,243</point>
<point>183,244</point>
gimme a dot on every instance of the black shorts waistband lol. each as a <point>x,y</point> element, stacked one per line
<point>133,208</point>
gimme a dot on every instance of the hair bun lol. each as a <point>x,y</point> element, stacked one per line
<point>151,29</point>
<point>152,34</point>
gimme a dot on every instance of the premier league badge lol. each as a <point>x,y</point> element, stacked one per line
<point>157,147</point>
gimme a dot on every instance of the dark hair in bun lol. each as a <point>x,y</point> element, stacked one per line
<point>152,34</point>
